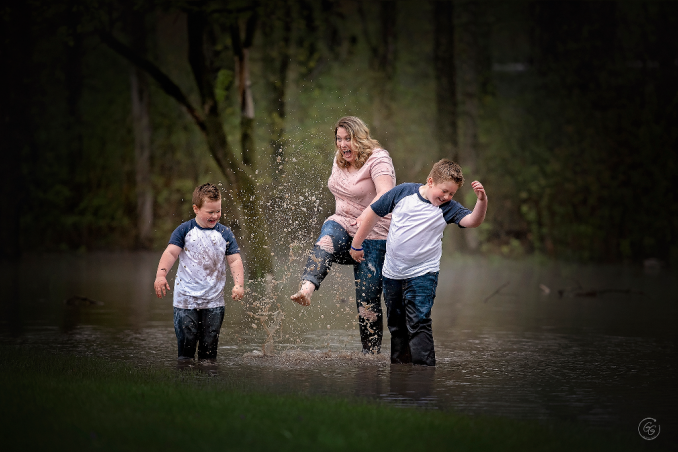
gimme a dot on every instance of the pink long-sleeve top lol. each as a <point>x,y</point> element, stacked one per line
<point>354,192</point>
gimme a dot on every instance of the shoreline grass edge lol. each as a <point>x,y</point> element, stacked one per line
<point>68,402</point>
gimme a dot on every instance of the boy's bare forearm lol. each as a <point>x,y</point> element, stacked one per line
<point>167,260</point>
<point>237,269</point>
<point>238,274</point>
<point>366,226</point>
<point>476,217</point>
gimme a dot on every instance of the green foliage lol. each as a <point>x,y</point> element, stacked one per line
<point>576,151</point>
<point>581,139</point>
<point>223,84</point>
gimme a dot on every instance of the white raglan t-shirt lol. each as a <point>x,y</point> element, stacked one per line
<point>414,243</point>
<point>201,276</point>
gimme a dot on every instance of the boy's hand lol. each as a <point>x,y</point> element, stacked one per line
<point>479,190</point>
<point>357,256</point>
<point>237,292</point>
<point>161,286</point>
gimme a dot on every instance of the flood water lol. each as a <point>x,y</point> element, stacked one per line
<point>594,345</point>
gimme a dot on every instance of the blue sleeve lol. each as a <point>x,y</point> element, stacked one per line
<point>229,238</point>
<point>180,232</point>
<point>385,205</point>
<point>453,212</point>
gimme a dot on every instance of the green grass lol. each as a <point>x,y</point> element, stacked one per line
<point>63,402</point>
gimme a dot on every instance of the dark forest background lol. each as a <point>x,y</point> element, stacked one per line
<point>113,111</point>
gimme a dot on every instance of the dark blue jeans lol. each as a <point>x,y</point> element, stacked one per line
<point>198,328</point>
<point>408,311</point>
<point>367,274</point>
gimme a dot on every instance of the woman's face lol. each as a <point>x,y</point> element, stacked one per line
<point>344,145</point>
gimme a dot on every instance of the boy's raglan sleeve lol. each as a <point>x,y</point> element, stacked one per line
<point>453,212</point>
<point>231,243</point>
<point>178,236</point>
<point>385,205</point>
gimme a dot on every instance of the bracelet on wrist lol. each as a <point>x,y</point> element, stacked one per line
<point>356,249</point>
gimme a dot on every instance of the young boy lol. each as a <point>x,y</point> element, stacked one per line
<point>413,252</point>
<point>203,247</point>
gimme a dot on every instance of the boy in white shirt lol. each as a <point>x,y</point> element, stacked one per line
<point>420,213</point>
<point>204,247</point>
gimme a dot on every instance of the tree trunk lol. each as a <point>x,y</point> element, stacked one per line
<point>240,176</point>
<point>73,78</point>
<point>307,46</point>
<point>17,129</point>
<point>469,73</point>
<point>276,62</point>
<point>444,60</point>
<point>142,156</point>
<point>141,123</point>
<point>208,119</point>
<point>382,66</point>
<point>446,80</point>
<point>469,86</point>
<point>241,49</point>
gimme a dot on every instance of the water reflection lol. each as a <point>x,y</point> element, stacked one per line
<point>412,385</point>
<point>520,351</point>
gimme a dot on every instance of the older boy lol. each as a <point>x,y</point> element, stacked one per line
<point>413,252</point>
<point>203,247</point>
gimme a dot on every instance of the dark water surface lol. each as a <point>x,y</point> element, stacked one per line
<point>599,349</point>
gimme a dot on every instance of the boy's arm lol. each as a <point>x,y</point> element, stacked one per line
<point>167,260</point>
<point>475,218</point>
<point>238,273</point>
<point>369,220</point>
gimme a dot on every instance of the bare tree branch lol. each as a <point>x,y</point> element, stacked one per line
<point>496,291</point>
<point>166,84</point>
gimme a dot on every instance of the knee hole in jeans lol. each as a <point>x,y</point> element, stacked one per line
<point>325,244</point>
<point>367,313</point>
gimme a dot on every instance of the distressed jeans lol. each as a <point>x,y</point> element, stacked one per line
<point>198,328</point>
<point>408,312</point>
<point>367,274</point>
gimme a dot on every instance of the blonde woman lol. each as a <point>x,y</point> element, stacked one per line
<point>361,173</point>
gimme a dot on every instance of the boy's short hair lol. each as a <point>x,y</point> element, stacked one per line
<point>446,170</point>
<point>204,192</point>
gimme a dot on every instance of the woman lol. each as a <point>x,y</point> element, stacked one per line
<point>361,173</point>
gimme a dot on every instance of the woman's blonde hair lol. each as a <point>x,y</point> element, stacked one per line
<point>361,142</point>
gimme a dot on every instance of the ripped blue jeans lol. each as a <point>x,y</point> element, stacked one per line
<point>367,274</point>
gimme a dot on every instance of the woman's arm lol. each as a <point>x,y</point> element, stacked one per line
<point>382,184</point>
